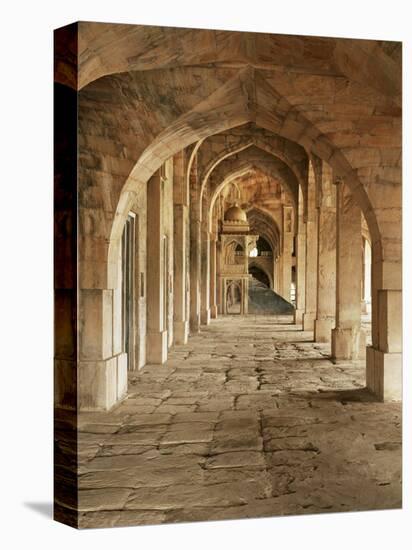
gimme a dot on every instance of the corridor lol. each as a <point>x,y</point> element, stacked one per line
<point>249,418</point>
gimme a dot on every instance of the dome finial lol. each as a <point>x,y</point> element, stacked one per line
<point>235,214</point>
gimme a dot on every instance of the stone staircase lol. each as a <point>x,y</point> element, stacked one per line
<point>264,301</point>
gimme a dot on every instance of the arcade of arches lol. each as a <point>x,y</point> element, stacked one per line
<point>239,272</point>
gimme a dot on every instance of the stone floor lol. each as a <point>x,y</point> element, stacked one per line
<point>249,419</point>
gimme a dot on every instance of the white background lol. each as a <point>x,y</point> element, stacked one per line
<point>26,271</point>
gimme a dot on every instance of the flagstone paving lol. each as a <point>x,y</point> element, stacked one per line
<point>249,419</point>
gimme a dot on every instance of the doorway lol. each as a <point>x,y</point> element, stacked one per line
<point>233,299</point>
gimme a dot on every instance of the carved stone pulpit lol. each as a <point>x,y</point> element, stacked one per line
<point>235,245</point>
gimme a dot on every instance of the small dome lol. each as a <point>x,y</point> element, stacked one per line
<point>235,214</point>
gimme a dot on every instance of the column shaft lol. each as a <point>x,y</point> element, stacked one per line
<point>213,277</point>
<point>287,251</point>
<point>180,248</point>
<point>384,362</point>
<point>300,271</point>
<point>180,322</point>
<point>326,264</point>
<point>156,329</point>
<point>348,341</point>
<point>205,271</point>
<point>194,274</point>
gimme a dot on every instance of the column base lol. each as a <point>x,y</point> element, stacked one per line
<point>194,325</point>
<point>348,344</point>
<point>308,321</point>
<point>384,374</point>
<point>205,317</point>
<point>299,313</point>
<point>102,384</point>
<point>323,330</point>
<point>156,347</point>
<point>213,312</point>
<point>181,331</point>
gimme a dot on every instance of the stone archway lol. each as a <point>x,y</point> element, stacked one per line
<point>230,106</point>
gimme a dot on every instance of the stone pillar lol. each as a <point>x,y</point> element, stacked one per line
<point>213,277</point>
<point>205,264</point>
<point>348,340</point>
<point>384,357</point>
<point>276,271</point>
<point>103,362</point>
<point>180,248</point>
<point>300,263</point>
<point>168,230</point>
<point>195,239</point>
<point>311,273</point>
<point>90,371</point>
<point>219,290</point>
<point>326,284</point>
<point>245,281</point>
<point>287,250</point>
<point>156,330</point>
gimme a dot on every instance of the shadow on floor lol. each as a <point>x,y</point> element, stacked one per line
<point>343,396</point>
<point>305,359</point>
<point>45,509</point>
<point>299,342</point>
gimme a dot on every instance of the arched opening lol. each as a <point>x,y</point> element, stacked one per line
<point>239,251</point>
<point>263,247</point>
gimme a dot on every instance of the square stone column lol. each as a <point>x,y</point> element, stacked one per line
<point>300,265</point>
<point>326,264</point>
<point>180,248</point>
<point>194,274</point>
<point>311,272</point>
<point>213,277</point>
<point>156,284</point>
<point>102,379</point>
<point>384,363</point>
<point>287,248</point>
<point>180,322</point>
<point>195,240</point>
<point>348,340</point>
<point>205,268</point>
<point>219,290</point>
<point>276,274</point>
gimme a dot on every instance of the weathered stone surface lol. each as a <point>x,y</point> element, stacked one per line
<point>289,451</point>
